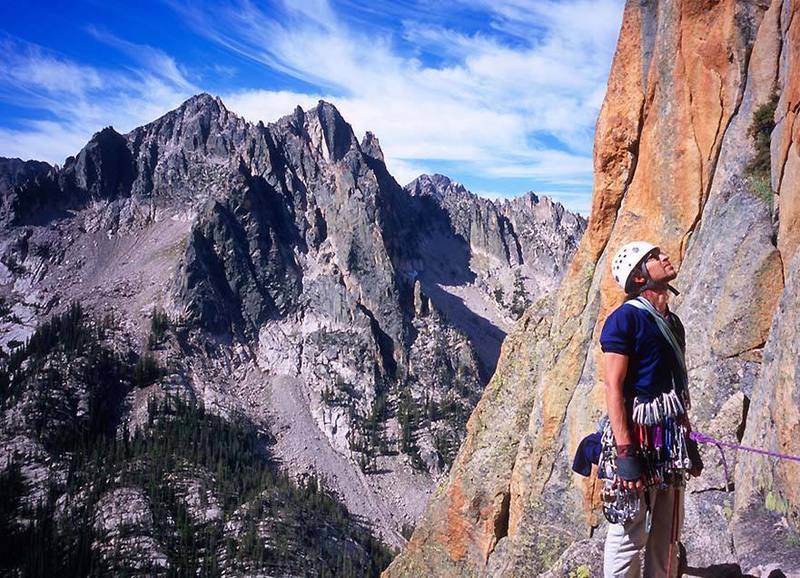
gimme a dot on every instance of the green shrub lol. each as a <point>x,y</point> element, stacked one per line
<point>758,171</point>
<point>775,503</point>
<point>761,187</point>
<point>159,323</point>
<point>520,300</point>
<point>581,572</point>
<point>407,530</point>
<point>146,371</point>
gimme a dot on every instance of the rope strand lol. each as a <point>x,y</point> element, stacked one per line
<point>707,439</point>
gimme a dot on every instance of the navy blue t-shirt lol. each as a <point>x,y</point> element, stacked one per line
<point>651,360</point>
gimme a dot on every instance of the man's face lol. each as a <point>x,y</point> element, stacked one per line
<point>659,266</point>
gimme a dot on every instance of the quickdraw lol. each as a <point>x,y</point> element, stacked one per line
<point>657,409</point>
<point>620,505</point>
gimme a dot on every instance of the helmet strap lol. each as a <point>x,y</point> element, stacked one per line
<point>650,284</point>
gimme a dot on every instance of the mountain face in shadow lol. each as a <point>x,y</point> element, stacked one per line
<point>484,261</point>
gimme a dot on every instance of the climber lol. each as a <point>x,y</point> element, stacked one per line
<point>646,451</point>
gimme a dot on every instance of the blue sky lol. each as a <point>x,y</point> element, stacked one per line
<point>501,95</point>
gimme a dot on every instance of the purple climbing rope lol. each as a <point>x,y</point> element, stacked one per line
<point>706,439</point>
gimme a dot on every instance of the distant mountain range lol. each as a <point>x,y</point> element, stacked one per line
<point>273,278</point>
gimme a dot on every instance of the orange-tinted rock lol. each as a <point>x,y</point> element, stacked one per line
<point>786,137</point>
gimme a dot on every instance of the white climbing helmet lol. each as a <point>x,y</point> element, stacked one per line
<point>627,258</point>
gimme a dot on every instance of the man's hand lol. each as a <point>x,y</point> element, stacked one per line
<point>637,485</point>
<point>694,457</point>
<point>629,467</point>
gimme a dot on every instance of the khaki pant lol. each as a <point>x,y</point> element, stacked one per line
<point>625,544</point>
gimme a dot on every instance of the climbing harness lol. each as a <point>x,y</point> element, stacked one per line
<point>665,458</point>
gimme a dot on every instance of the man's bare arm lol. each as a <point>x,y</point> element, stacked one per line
<point>616,366</point>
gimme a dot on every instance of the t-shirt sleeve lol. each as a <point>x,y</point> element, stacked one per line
<point>619,332</point>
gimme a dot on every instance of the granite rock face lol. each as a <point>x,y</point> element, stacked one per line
<point>672,149</point>
<point>124,529</point>
<point>497,257</point>
<point>766,499</point>
<point>298,279</point>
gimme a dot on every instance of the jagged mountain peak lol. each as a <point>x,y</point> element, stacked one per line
<point>546,207</point>
<point>441,186</point>
<point>327,109</point>
<point>516,247</point>
<point>338,133</point>
<point>200,107</point>
<point>104,141</point>
<point>192,124</point>
<point>531,198</point>
<point>103,167</point>
<point>287,251</point>
<point>199,104</point>
<point>201,100</point>
<point>104,134</point>
<point>14,171</point>
<point>371,146</point>
<point>436,185</point>
<point>324,125</point>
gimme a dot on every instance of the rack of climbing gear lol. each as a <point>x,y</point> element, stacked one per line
<point>661,436</point>
<point>620,505</point>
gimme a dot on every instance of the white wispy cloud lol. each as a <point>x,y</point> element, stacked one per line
<point>152,62</point>
<point>479,109</point>
<point>78,99</point>
<point>269,105</point>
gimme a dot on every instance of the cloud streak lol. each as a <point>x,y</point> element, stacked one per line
<point>77,100</point>
<point>478,108</point>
